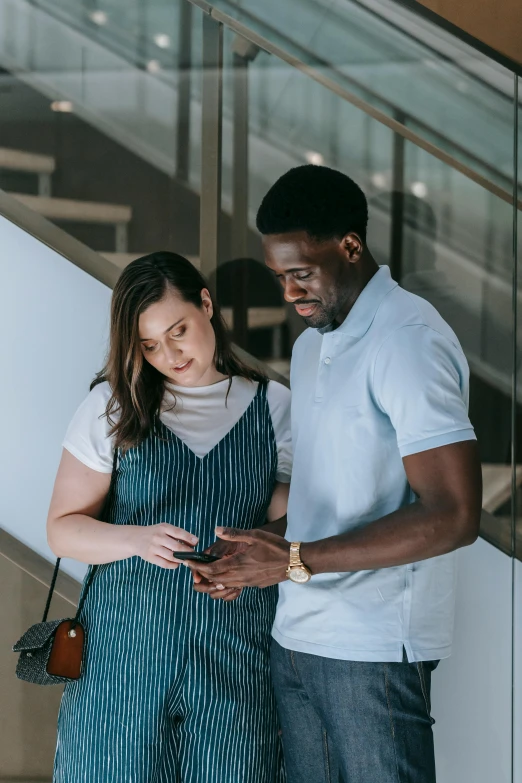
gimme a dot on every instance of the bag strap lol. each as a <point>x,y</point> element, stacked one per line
<point>94,568</point>
<point>51,590</point>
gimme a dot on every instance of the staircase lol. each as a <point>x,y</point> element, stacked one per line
<point>62,210</point>
<point>65,210</point>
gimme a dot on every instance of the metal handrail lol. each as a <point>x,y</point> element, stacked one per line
<point>58,239</point>
<point>263,43</point>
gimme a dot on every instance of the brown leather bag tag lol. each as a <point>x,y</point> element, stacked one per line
<point>66,655</point>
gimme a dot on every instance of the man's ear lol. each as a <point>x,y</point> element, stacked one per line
<point>352,246</point>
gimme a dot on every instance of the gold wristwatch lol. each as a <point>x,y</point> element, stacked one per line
<point>297,571</point>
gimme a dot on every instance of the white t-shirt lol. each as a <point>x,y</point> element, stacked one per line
<point>200,418</point>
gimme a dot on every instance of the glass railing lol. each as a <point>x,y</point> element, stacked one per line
<point>108,130</point>
<point>112,95</point>
<point>163,43</point>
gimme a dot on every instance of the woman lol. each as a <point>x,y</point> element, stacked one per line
<point>175,686</point>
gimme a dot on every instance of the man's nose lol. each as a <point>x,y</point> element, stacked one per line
<point>293,291</point>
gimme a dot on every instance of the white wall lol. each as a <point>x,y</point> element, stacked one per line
<point>54,324</point>
<point>471,691</point>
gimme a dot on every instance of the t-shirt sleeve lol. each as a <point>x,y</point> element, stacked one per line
<point>278,397</point>
<point>87,436</point>
<point>420,381</point>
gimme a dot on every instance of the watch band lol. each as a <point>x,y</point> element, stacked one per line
<point>295,554</point>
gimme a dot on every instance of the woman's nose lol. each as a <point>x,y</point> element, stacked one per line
<point>173,353</point>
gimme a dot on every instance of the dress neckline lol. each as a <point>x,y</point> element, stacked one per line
<point>172,434</point>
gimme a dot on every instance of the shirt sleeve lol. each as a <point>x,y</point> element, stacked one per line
<point>87,436</point>
<point>420,381</point>
<point>278,397</point>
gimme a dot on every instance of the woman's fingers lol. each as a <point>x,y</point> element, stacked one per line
<point>181,542</point>
<point>163,562</point>
<point>179,534</point>
<point>157,543</point>
<point>175,546</point>
<point>167,553</point>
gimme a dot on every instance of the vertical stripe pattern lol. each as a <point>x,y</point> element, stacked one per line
<point>176,686</point>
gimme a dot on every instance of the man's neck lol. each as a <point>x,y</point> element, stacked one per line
<point>366,270</point>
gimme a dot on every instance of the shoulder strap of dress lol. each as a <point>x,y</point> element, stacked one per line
<point>262,387</point>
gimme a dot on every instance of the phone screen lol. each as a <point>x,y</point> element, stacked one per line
<point>198,557</point>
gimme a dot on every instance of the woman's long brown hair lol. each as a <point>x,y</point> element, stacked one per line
<point>137,387</point>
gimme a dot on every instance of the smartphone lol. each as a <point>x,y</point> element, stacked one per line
<point>198,557</point>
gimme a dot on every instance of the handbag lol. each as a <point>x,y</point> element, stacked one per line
<point>51,653</point>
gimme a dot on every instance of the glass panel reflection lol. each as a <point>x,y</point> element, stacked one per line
<point>109,93</point>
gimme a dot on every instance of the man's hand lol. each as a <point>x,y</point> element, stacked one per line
<point>217,590</point>
<point>262,560</point>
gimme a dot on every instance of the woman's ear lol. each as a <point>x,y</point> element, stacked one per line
<point>206,302</point>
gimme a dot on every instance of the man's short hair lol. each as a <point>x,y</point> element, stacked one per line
<point>325,203</point>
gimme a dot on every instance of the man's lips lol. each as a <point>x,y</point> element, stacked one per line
<point>306,309</point>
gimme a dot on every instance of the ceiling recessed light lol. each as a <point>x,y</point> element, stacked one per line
<point>153,66</point>
<point>379,180</point>
<point>315,158</point>
<point>162,40</point>
<point>419,189</point>
<point>63,106</point>
<point>99,17</point>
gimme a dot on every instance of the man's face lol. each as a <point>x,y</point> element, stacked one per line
<point>317,277</point>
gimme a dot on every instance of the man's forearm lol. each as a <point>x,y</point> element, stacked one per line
<point>408,535</point>
<point>277,526</point>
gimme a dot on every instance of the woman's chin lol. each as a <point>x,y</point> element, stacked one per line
<point>194,376</point>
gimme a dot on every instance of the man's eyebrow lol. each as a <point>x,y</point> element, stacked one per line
<point>294,269</point>
<point>144,339</point>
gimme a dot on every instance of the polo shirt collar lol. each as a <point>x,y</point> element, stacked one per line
<point>360,317</point>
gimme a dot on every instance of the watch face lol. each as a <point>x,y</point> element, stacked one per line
<point>298,575</point>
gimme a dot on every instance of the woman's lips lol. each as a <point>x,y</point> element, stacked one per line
<point>183,367</point>
<point>305,310</point>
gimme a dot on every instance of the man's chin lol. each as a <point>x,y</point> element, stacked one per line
<point>317,321</point>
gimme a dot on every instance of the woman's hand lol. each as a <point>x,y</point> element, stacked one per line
<point>218,591</point>
<point>156,544</point>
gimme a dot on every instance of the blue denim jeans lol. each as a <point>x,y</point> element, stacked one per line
<point>352,721</point>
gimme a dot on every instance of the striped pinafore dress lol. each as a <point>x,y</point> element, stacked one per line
<point>176,686</point>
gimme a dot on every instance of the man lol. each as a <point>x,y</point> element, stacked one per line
<point>386,486</point>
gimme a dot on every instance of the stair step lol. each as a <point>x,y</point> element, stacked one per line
<point>77,211</point>
<point>18,160</point>
<point>122,259</point>
<point>258,317</point>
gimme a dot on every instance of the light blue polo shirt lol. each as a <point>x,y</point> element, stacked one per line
<point>391,381</point>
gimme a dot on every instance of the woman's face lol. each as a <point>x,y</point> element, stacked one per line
<point>177,338</point>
